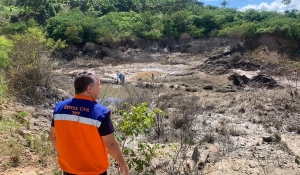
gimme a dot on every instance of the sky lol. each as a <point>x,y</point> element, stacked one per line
<point>268,5</point>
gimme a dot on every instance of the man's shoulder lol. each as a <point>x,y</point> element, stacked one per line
<point>101,110</point>
<point>61,104</point>
<point>99,107</point>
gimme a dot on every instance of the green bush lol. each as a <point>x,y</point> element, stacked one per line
<point>29,66</point>
<point>13,28</point>
<point>62,26</point>
<point>137,120</point>
<point>104,35</point>
<point>149,27</point>
<point>74,34</point>
<point>5,48</point>
<point>245,30</point>
<point>121,24</point>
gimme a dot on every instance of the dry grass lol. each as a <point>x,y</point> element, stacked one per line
<point>146,75</point>
<point>18,148</point>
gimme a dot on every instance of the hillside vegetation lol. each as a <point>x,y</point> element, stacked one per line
<point>110,21</point>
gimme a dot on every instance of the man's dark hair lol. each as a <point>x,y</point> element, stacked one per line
<point>83,80</point>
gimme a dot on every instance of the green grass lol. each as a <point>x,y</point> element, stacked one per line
<point>296,65</point>
<point>41,145</point>
<point>9,145</point>
<point>12,145</point>
<point>6,124</point>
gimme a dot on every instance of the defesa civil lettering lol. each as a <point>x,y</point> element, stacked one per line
<point>76,110</point>
<point>84,109</point>
<point>73,108</point>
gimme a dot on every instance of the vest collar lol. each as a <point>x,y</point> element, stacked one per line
<point>84,97</point>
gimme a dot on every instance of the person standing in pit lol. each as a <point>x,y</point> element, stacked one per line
<point>122,78</point>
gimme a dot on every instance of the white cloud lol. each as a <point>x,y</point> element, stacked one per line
<point>275,5</point>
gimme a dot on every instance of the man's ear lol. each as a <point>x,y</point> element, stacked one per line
<point>89,88</point>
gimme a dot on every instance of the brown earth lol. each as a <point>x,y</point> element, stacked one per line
<point>217,127</point>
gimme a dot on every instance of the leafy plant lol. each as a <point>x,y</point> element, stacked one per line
<point>6,125</point>
<point>136,121</point>
<point>14,28</point>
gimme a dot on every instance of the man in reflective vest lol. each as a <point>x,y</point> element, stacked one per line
<point>82,132</point>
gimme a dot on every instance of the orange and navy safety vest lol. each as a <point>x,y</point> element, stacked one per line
<point>77,123</point>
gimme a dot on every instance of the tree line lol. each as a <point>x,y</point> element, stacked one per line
<point>110,21</point>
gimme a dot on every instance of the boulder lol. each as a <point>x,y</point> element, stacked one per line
<point>263,80</point>
<point>238,80</point>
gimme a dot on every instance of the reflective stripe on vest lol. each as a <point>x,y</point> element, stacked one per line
<point>76,118</point>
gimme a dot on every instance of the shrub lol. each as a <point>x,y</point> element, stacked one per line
<point>73,26</point>
<point>29,66</point>
<point>40,145</point>
<point>121,24</point>
<point>5,48</point>
<point>104,35</point>
<point>244,30</point>
<point>13,28</point>
<point>73,34</point>
<point>135,121</point>
<point>16,152</point>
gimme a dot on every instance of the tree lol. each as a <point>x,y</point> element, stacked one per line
<point>292,13</point>
<point>286,2</point>
<point>224,3</point>
<point>29,67</point>
<point>9,2</point>
<point>41,10</point>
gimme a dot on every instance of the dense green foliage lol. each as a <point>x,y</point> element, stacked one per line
<point>23,60</point>
<point>110,21</point>
<point>5,48</point>
<point>145,21</point>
